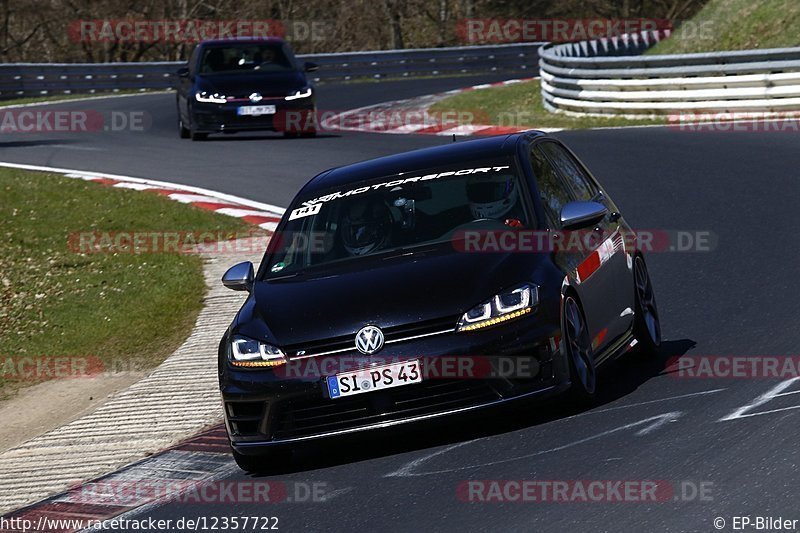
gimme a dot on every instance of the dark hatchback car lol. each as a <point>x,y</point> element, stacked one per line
<point>234,85</point>
<point>415,286</point>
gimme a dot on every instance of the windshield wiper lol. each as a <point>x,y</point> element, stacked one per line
<point>407,251</point>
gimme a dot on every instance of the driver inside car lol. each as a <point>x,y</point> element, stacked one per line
<point>495,197</point>
<point>366,226</point>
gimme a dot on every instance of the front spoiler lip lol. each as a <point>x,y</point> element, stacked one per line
<point>249,447</point>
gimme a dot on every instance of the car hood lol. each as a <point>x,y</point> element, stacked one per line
<point>388,292</point>
<point>243,84</point>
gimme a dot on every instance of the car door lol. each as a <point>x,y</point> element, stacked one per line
<point>615,228</point>
<point>591,262</point>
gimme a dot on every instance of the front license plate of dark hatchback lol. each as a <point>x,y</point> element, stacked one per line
<point>373,379</point>
<point>256,110</point>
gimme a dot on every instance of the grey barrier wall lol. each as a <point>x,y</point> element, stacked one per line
<point>38,79</point>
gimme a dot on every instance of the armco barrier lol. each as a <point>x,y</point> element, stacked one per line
<point>611,77</point>
<point>38,79</point>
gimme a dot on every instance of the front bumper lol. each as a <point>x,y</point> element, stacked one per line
<point>298,116</point>
<point>265,408</point>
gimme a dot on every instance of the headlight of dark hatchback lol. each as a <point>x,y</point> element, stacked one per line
<point>247,352</point>
<point>507,305</point>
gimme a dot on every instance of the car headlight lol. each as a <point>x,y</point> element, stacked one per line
<point>248,352</point>
<point>206,98</point>
<point>502,307</point>
<point>302,93</point>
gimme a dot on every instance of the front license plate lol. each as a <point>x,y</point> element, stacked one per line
<point>372,379</point>
<point>256,110</point>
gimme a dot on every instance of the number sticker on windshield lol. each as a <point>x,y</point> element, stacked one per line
<point>306,211</point>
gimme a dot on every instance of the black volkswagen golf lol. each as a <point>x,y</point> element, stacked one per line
<point>232,85</point>
<point>428,284</point>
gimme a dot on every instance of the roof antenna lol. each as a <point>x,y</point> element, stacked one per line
<point>454,137</point>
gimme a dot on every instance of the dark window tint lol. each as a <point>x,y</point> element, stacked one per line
<point>572,172</point>
<point>413,209</point>
<point>554,193</point>
<point>246,58</point>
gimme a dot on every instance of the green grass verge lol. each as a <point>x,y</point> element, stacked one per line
<point>127,310</point>
<point>736,25</point>
<point>520,104</point>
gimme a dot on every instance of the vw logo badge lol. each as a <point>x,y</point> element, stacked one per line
<point>369,340</point>
<point>256,97</point>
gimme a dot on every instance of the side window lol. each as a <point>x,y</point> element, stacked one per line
<point>290,58</point>
<point>551,187</point>
<point>579,182</point>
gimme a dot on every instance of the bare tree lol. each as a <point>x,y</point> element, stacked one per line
<point>44,30</point>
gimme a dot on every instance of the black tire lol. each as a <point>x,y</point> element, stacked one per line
<point>183,131</point>
<point>647,325</point>
<point>265,462</point>
<point>579,351</point>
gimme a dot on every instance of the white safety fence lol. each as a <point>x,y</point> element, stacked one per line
<point>611,77</point>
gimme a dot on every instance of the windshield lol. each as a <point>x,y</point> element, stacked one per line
<point>398,213</point>
<point>269,57</point>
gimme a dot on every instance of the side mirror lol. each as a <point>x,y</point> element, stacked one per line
<point>310,67</point>
<point>576,215</point>
<point>239,277</point>
<point>183,72</point>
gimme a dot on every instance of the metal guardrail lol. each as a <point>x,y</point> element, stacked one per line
<point>611,77</point>
<point>38,79</point>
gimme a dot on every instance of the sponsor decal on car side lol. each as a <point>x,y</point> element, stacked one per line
<point>599,256</point>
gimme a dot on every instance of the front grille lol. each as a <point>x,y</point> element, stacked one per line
<point>392,334</point>
<point>303,417</point>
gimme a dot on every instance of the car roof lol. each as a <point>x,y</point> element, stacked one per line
<point>243,40</point>
<point>452,153</point>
